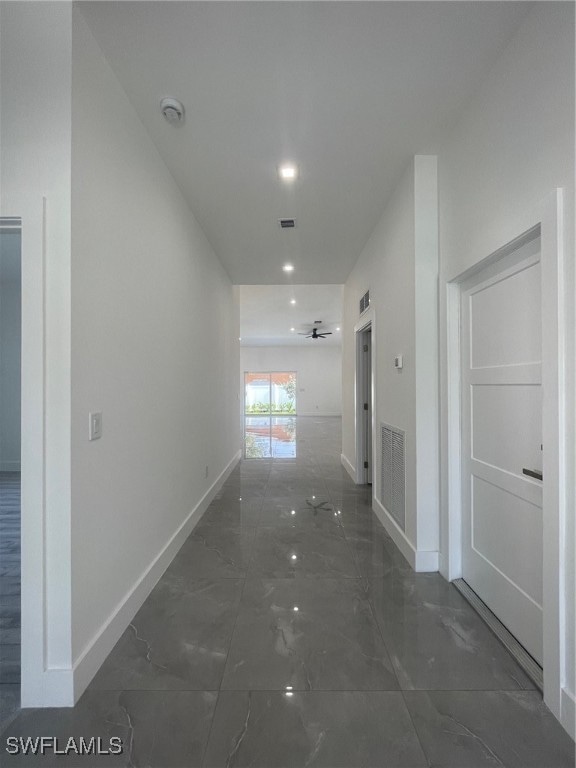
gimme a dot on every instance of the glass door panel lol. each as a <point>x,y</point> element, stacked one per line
<point>257,393</point>
<point>283,393</point>
<point>269,411</point>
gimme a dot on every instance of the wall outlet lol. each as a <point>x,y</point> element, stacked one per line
<point>398,362</point>
<point>95,425</point>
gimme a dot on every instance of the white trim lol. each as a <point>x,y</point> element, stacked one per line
<point>554,461</point>
<point>36,679</point>
<point>568,711</point>
<point>348,466</point>
<point>91,658</point>
<point>9,466</point>
<point>427,561</point>
<point>548,219</point>
<point>422,561</point>
<point>453,523</point>
<point>312,413</point>
<point>50,687</point>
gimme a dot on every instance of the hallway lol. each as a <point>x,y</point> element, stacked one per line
<point>289,631</point>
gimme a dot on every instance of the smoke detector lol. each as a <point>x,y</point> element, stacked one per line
<point>173,111</point>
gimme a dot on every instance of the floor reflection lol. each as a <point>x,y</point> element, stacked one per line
<point>267,437</point>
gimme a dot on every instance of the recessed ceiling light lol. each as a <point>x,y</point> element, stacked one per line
<point>292,329</point>
<point>292,301</point>
<point>288,267</point>
<point>288,172</point>
<point>337,329</point>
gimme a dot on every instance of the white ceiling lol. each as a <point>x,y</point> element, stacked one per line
<point>348,90</point>
<point>266,314</point>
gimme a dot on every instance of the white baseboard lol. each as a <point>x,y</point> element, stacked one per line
<point>427,561</point>
<point>422,561</point>
<point>348,466</point>
<point>568,712</point>
<point>94,654</point>
<point>47,688</point>
<point>9,466</point>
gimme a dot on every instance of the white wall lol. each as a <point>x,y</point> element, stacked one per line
<point>10,342</point>
<point>36,47</point>
<point>386,268</point>
<point>154,347</point>
<point>399,266</point>
<point>512,148</point>
<point>319,374</point>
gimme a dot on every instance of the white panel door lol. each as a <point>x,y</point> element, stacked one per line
<point>501,439</point>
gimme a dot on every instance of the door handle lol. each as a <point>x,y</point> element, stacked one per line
<point>533,473</point>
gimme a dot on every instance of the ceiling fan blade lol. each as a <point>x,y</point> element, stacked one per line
<point>328,333</point>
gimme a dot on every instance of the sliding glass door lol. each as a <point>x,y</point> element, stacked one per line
<point>271,393</point>
<point>269,411</point>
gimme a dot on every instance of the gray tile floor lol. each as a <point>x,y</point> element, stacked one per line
<point>289,631</point>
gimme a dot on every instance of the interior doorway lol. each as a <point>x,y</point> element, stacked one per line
<point>544,224</point>
<point>10,466</point>
<point>501,374</point>
<point>364,405</point>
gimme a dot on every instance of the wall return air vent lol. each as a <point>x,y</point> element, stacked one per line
<point>393,473</point>
<point>365,302</point>
<point>287,223</point>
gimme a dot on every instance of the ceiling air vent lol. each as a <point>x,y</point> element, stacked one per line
<point>365,302</point>
<point>287,223</point>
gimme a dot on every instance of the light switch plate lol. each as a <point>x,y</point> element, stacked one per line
<point>95,426</point>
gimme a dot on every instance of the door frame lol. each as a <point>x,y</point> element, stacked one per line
<point>368,321</point>
<point>547,221</point>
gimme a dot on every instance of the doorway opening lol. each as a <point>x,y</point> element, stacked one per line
<point>544,587</point>
<point>10,466</point>
<point>501,402</point>
<point>269,414</point>
<point>364,406</point>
